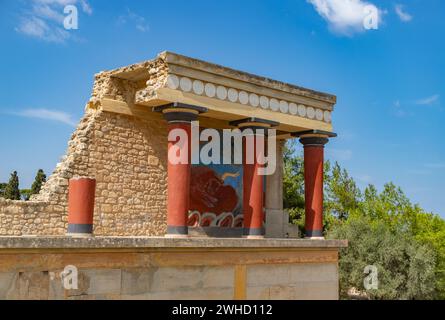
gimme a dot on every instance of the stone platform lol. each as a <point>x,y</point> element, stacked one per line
<point>163,268</point>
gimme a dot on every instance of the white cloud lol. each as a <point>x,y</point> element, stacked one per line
<point>398,110</point>
<point>138,21</point>
<point>428,100</point>
<point>403,15</point>
<point>43,19</point>
<point>345,17</point>
<point>46,114</point>
<point>86,7</point>
<point>36,27</point>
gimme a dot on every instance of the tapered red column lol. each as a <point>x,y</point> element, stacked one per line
<point>178,190</point>
<point>313,184</point>
<point>254,146</point>
<point>179,118</point>
<point>253,190</point>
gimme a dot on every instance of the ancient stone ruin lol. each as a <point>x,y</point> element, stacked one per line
<point>175,231</point>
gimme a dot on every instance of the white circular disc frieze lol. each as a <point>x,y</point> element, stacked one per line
<point>198,87</point>
<point>232,95</point>
<point>243,97</point>
<point>185,84</point>
<point>264,102</point>
<point>327,116</point>
<point>293,109</point>
<point>254,100</point>
<point>284,106</point>
<point>172,82</point>
<point>310,112</point>
<point>301,110</point>
<point>210,90</point>
<point>221,92</point>
<point>274,104</point>
<point>319,115</point>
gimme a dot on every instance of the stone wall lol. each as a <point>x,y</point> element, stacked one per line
<point>126,155</point>
<point>159,268</point>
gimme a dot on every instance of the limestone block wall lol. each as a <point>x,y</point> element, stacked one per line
<point>127,156</point>
<point>159,268</point>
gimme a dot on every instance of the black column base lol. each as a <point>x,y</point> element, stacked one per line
<point>177,231</point>
<point>314,233</point>
<point>254,232</point>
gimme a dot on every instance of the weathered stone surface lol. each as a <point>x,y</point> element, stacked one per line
<point>129,164</point>
<point>159,268</point>
<point>103,281</point>
<point>137,281</point>
<point>7,284</point>
<point>29,286</point>
<point>162,242</point>
<point>126,151</point>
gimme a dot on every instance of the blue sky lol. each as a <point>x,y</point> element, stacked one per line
<point>389,81</point>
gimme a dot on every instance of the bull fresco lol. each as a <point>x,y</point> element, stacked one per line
<point>216,196</point>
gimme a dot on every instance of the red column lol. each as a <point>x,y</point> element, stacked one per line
<point>313,184</point>
<point>81,193</point>
<point>178,190</point>
<point>179,117</point>
<point>253,192</point>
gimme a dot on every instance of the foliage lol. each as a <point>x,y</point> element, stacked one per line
<point>25,194</point>
<point>2,189</point>
<point>384,228</point>
<point>405,267</point>
<point>293,185</point>
<point>39,180</point>
<point>12,191</point>
<point>342,193</point>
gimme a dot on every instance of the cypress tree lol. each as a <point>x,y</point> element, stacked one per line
<point>39,180</point>
<point>2,189</point>
<point>12,190</point>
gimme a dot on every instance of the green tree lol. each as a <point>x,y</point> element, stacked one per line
<point>429,229</point>
<point>25,194</point>
<point>12,190</point>
<point>39,180</point>
<point>392,217</point>
<point>2,189</point>
<point>293,184</point>
<point>405,267</point>
<point>341,192</point>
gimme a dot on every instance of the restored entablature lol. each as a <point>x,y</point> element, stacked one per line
<point>227,93</point>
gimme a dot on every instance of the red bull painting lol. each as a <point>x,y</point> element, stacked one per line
<point>216,196</point>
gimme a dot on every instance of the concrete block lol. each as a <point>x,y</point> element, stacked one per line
<point>7,284</point>
<point>181,294</point>
<point>292,231</point>
<point>268,275</point>
<point>103,281</point>
<point>33,285</point>
<point>177,278</point>
<point>258,293</point>
<point>56,290</point>
<point>275,223</point>
<point>314,272</point>
<point>136,281</point>
<point>218,277</point>
<point>321,290</point>
<point>324,290</point>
